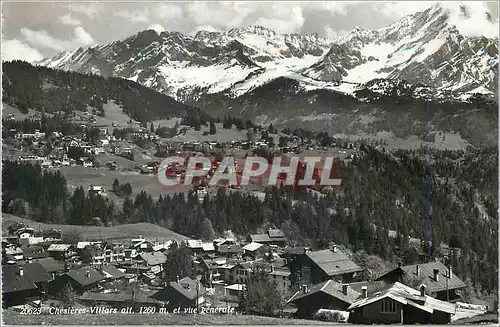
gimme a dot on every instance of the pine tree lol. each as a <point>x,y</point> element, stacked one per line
<point>213,129</point>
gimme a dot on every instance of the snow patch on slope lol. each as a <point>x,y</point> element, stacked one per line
<point>216,78</point>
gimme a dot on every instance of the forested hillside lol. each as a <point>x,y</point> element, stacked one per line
<point>382,192</point>
<point>44,89</point>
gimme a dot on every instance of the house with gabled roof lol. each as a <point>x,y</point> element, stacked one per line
<point>326,295</point>
<point>110,272</point>
<point>229,251</point>
<point>440,280</point>
<point>51,265</point>
<point>23,282</point>
<point>318,266</point>
<point>61,251</point>
<point>400,304</point>
<point>82,279</point>
<point>153,259</point>
<point>183,293</point>
<point>255,250</point>
<point>272,237</point>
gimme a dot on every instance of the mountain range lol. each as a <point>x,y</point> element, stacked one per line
<point>255,72</point>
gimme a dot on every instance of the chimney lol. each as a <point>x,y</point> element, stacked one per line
<point>178,280</point>
<point>399,264</point>
<point>417,270</point>
<point>87,274</point>
<point>344,289</point>
<point>450,272</point>
<point>422,290</point>
<point>304,289</point>
<point>334,248</point>
<point>272,268</point>
<point>364,291</point>
<point>436,275</point>
<point>21,271</point>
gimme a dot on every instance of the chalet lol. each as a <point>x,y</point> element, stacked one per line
<point>229,251</point>
<point>281,276</point>
<point>228,273</point>
<point>81,280</point>
<point>97,190</point>
<point>232,293</point>
<point>61,251</point>
<point>113,253</point>
<point>319,266</point>
<point>326,295</point>
<point>162,246</point>
<point>154,258</point>
<point>25,233</point>
<point>155,261</point>
<point>273,236</point>
<point>183,293</point>
<point>254,250</point>
<point>51,235</point>
<point>53,267</point>
<point>224,241</point>
<point>208,247</point>
<point>14,252</point>
<point>400,304</point>
<point>142,245</point>
<point>19,283</point>
<point>440,280</point>
<point>34,252</point>
<point>290,253</point>
<point>110,272</point>
<point>209,268</point>
<point>196,246</point>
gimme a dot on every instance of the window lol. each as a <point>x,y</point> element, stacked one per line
<point>387,306</point>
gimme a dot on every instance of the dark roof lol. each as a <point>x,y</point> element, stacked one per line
<point>113,271</point>
<point>407,296</point>
<point>36,272</point>
<point>427,276</point>
<point>294,250</point>
<point>331,288</point>
<point>371,287</point>
<point>80,276</point>
<point>153,259</point>
<point>260,238</point>
<point>50,264</point>
<point>187,288</point>
<point>13,282</point>
<point>229,249</point>
<point>275,233</point>
<point>333,263</point>
<point>124,297</point>
<point>34,251</point>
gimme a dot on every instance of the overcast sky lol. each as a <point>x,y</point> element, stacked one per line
<point>39,29</point>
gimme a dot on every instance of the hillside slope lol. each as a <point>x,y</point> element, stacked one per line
<point>127,231</point>
<point>44,89</point>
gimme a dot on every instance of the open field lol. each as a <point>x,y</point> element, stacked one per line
<point>8,109</point>
<point>128,231</point>
<point>13,318</point>
<point>222,135</point>
<point>83,176</point>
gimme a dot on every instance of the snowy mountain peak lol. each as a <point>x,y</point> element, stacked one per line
<point>432,47</point>
<point>426,47</point>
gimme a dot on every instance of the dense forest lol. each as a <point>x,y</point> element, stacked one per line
<point>382,192</point>
<point>44,89</point>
